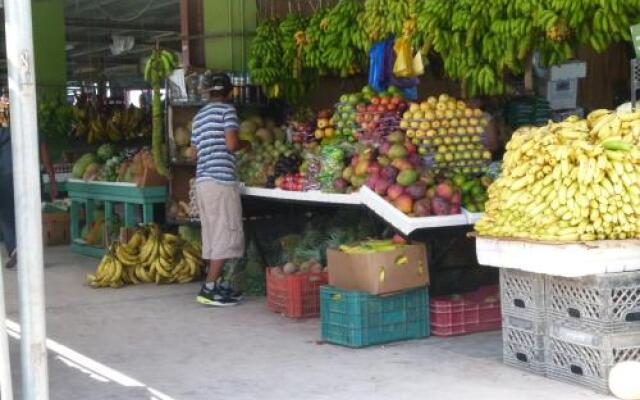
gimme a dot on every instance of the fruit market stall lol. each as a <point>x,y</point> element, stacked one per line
<point>422,162</point>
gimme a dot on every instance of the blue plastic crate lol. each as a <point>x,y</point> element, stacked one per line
<point>358,319</point>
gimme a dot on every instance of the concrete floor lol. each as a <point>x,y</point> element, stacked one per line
<point>162,339</point>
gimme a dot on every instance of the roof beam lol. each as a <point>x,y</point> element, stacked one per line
<point>104,24</point>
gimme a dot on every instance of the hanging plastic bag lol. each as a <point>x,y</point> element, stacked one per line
<point>418,66</point>
<point>403,66</point>
<point>376,66</point>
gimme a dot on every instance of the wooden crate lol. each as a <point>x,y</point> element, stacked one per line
<point>56,229</point>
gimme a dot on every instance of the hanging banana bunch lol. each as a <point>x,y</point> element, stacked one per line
<point>266,65</point>
<point>345,47</point>
<point>158,68</point>
<point>313,52</point>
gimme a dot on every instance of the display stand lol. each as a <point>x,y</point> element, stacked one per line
<point>109,193</point>
<point>560,259</point>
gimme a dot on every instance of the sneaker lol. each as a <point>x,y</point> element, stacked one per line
<point>215,298</point>
<point>12,261</point>
<point>227,290</point>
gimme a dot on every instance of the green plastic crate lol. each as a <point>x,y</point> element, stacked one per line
<point>358,319</point>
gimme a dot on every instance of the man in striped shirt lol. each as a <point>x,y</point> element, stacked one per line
<point>215,139</point>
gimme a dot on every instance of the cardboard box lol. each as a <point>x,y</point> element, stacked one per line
<point>55,229</point>
<point>379,273</point>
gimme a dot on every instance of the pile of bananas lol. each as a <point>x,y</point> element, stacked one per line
<point>344,41</point>
<point>96,127</point>
<point>569,181</point>
<point>266,64</point>
<point>149,256</point>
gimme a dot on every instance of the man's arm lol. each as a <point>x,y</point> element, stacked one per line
<point>48,166</point>
<point>233,142</point>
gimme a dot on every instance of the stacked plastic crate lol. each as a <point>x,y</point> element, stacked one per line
<point>375,296</point>
<point>570,329</point>
<point>594,323</point>
<point>523,319</point>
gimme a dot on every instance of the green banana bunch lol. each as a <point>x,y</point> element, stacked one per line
<point>159,66</point>
<point>387,17</point>
<point>313,52</point>
<point>291,42</point>
<point>345,47</point>
<point>266,65</point>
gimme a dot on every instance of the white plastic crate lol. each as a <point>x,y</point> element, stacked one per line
<point>586,358</point>
<point>522,294</point>
<point>607,302</point>
<point>523,343</point>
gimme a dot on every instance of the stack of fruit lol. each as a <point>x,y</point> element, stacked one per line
<point>474,191</point>
<point>287,174</point>
<point>182,140</point>
<point>344,116</point>
<point>149,256</point>
<point>449,133</point>
<point>324,126</point>
<point>290,268</point>
<point>255,167</point>
<point>568,181</point>
<point>380,117</point>
<point>106,165</point>
<point>394,171</point>
<point>302,125</point>
<point>263,130</point>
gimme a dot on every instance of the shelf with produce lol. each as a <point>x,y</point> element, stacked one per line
<point>403,222</point>
<point>88,196</point>
<point>312,196</point>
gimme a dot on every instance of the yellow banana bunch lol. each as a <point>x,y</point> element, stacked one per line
<point>576,180</point>
<point>150,256</point>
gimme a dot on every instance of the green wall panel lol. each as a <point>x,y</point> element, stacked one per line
<point>223,17</point>
<point>49,42</point>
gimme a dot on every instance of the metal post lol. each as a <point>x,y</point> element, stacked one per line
<point>6,387</point>
<point>26,167</point>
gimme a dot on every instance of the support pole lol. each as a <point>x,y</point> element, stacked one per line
<point>6,386</point>
<point>26,167</point>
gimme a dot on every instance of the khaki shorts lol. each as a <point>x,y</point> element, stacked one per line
<point>221,219</point>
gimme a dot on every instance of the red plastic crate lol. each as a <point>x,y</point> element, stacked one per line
<point>297,295</point>
<point>477,311</point>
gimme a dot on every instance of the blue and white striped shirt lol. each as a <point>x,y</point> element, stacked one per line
<point>215,161</point>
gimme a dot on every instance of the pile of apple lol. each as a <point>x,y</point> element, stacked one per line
<point>324,125</point>
<point>292,182</point>
<point>449,132</point>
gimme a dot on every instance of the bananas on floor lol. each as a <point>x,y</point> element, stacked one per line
<point>150,256</point>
